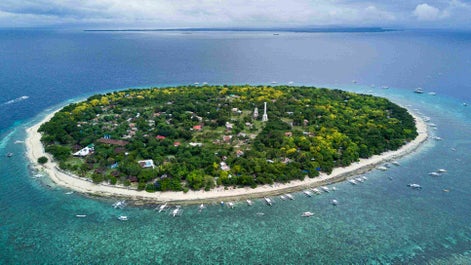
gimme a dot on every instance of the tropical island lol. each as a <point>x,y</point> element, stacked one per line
<point>198,138</point>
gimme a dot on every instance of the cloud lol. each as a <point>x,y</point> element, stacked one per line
<point>226,13</point>
<point>427,12</point>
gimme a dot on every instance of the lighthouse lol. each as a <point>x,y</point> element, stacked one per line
<point>265,116</point>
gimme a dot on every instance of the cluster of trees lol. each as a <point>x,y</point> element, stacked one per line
<point>310,130</point>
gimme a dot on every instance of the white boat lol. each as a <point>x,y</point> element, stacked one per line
<point>307,193</point>
<point>80,215</point>
<point>316,190</point>
<point>419,90</point>
<point>201,207</point>
<point>441,170</point>
<point>176,211</point>
<point>335,202</point>
<point>69,192</point>
<point>162,207</point>
<point>352,181</point>
<point>307,214</point>
<point>432,93</point>
<point>119,204</point>
<point>395,163</point>
<point>283,197</point>
<point>268,201</point>
<point>435,174</point>
<point>230,205</point>
<point>383,168</point>
<point>19,142</point>
<point>414,186</point>
<point>326,189</point>
<point>437,138</point>
<point>123,218</point>
<point>359,179</point>
<point>290,196</point>
<point>249,202</point>
<point>465,104</point>
<point>364,178</point>
<point>334,188</point>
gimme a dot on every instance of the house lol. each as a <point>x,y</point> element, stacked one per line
<point>224,166</point>
<point>149,163</point>
<point>176,144</point>
<point>85,151</point>
<point>196,144</point>
<point>239,153</point>
<point>288,134</point>
<point>160,137</point>
<point>229,125</point>
<point>227,138</point>
<point>197,127</point>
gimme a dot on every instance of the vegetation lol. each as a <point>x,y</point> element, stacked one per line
<point>42,160</point>
<point>200,137</point>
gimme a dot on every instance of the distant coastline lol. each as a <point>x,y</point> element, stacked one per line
<point>274,30</point>
<point>35,150</point>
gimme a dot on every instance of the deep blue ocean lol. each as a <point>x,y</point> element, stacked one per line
<point>381,221</point>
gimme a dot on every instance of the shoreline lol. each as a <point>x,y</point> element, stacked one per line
<point>35,149</point>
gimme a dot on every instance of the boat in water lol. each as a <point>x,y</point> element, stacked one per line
<point>123,218</point>
<point>230,205</point>
<point>307,214</point>
<point>382,168</point>
<point>325,189</point>
<point>162,207</point>
<point>69,192</point>
<point>307,193</point>
<point>335,202</point>
<point>176,211</point>
<point>119,204</point>
<point>316,190</point>
<point>283,197</point>
<point>249,203</point>
<point>414,186</point>
<point>9,155</point>
<point>419,90</point>
<point>201,207</point>
<point>268,201</point>
<point>290,196</point>
<point>80,215</point>
<point>352,181</point>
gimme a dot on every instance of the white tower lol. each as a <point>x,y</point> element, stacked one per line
<point>265,116</point>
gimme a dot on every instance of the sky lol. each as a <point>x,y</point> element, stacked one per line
<point>107,14</point>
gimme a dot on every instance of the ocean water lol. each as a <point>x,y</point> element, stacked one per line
<point>381,221</point>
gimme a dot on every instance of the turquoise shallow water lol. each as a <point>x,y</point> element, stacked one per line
<point>376,222</point>
<point>380,221</point>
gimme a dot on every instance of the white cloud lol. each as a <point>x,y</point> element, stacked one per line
<point>427,12</point>
<point>227,13</point>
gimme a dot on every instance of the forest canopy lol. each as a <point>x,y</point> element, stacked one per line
<point>199,137</point>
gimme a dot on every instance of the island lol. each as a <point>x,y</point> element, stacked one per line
<point>198,143</point>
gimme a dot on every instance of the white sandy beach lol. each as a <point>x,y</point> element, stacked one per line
<point>35,150</point>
